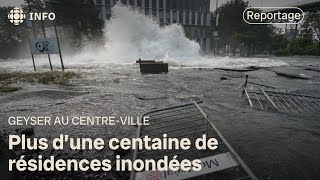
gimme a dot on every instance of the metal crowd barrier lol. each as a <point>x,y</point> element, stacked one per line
<point>189,121</point>
<point>265,97</point>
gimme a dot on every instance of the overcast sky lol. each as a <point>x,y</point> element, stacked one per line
<point>257,3</point>
<point>10,2</point>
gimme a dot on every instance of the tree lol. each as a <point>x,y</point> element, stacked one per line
<point>279,44</point>
<point>82,16</point>
<point>35,5</point>
<point>230,20</point>
<point>12,38</point>
<point>233,31</point>
<point>311,27</point>
<point>307,43</point>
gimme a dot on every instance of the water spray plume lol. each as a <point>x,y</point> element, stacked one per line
<point>130,35</point>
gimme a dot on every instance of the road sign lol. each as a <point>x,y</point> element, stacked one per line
<point>209,164</point>
<point>44,46</point>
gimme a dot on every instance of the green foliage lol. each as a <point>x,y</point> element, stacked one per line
<point>303,46</point>
<point>82,16</point>
<point>33,5</point>
<point>230,19</point>
<point>313,49</point>
<point>233,31</point>
<point>9,80</point>
<point>311,27</point>
<point>47,78</point>
<point>12,37</point>
<point>236,34</point>
<point>308,42</point>
<point>294,48</point>
<point>8,89</point>
<point>279,44</point>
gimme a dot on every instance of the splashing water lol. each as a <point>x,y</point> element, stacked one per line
<point>130,35</point>
<point>135,35</point>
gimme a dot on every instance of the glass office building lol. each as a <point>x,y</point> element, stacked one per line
<point>193,15</point>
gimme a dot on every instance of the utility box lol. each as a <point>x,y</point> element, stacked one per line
<point>152,67</point>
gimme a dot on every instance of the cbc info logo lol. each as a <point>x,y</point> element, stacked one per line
<point>17,16</point>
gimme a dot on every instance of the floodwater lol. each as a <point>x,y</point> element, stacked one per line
<point>274,145</point>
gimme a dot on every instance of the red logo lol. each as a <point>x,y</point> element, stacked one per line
<point>154,175</point>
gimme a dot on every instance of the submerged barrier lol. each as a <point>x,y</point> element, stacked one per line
<point>189,121</point>
<point>266,97</point>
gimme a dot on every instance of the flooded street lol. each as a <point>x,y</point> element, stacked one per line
<point>274,145</point>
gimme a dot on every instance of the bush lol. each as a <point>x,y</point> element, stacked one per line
<point>312,49</point>
<point>303,47</point>
<point>281,52</point>
<point>47,78</point>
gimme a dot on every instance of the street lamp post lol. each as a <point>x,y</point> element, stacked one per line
<point>215,38</point>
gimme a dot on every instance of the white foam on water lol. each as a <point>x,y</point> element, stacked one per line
<point>226,62</point>
<point>130,35</point>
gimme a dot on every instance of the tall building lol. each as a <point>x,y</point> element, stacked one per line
<point>193,15</point>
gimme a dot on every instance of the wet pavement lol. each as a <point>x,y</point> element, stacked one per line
<point>274,145</point>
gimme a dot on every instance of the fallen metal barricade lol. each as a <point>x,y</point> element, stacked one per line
<point>189,121</point>
<point>265,97</point>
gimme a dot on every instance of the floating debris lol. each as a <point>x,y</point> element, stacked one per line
<point>223,78</point>
<point>28,131</point>
<point>150,97</point>
<point>152,67</point>
<point>293,76</point>
<point>311,68</point>
<point>189,121</point>
<point>236,69</point>
<point>255,67</point>
<point>266,97</point>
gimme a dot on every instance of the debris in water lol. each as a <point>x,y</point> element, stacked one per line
<point>265,97</point>
<point>152,67</point>
<point>236,69</point>
<point>189,121</point>
<point>293,76</point>
<point>255,67</point>
<point>149,97</point>
<point>223,78</point>
<point>28,131</point>
<point>312,69</point>
<point>117,80</point>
